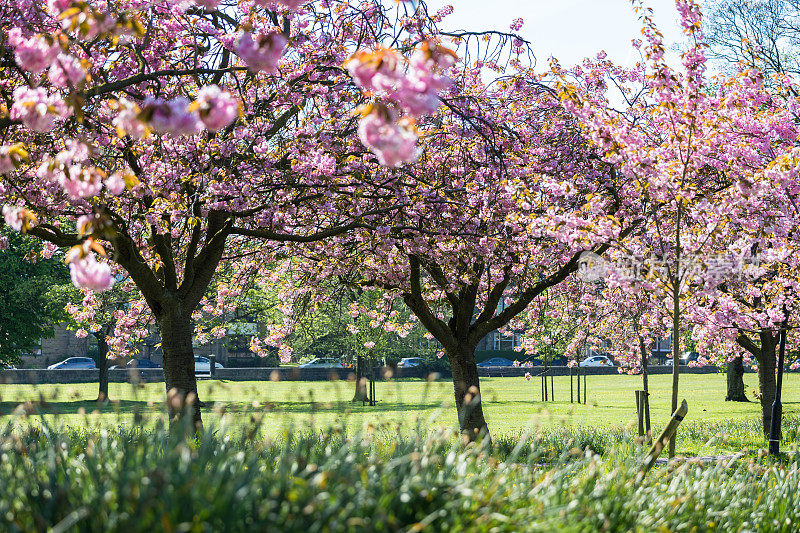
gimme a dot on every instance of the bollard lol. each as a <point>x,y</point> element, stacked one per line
<point>213,366</point>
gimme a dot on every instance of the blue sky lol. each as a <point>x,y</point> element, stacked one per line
<point>567,29</point>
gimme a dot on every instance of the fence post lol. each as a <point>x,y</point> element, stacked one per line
<point>584,386</point>
<point>544,384</point>
<point>649,434</point>
<point>213,367</point>
<point>664,438</point>
<point>570,385</point>
<point>373,401</point>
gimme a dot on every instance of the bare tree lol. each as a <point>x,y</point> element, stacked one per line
<point>760,33</point>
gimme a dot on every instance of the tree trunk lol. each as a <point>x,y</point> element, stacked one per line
<point>735,373</point>
<point>102,364</point>
<point>361,382</point>
<point>467,388</point>
<point>179,378</point>
<point>645,384</point>
<point>766,383</point>
<point>676,321</point>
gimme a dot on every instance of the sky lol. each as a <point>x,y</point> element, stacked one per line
<point>570,30</point>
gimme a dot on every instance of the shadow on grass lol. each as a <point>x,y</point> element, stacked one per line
<point>130,406</point>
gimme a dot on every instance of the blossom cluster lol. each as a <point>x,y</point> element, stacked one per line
<point>86,271</point>
<point>413,88</point>
<point>213,109</point>
<point>37,109</point>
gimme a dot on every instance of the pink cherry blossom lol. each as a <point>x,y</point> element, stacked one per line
<point>172,117</point>
<point>208,4</point>
<point>33,54</point>
<point>369,345</point>
<point>38,110</point>
<point>81,183</point>
<point>292,4</point>
<point>66,71</point>
<point>6,164</point>
<point>263,52</point>
<point>115,183</point>
<point>57,6</point>
<point>418,94</point>
<point>127,120</point>
<point>87,273</point>
<point>48,250</point>
<point>285,354</point>
<point>378,71</point>
<point>414,89</point>
<point>217,108</point>
<point>10,156</point>
<point>16,217</point>
<point>394,143</point>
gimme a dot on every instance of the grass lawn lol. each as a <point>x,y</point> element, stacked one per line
<point>511,405</point>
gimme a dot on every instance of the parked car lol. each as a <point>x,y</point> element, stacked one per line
<point>143,363</point>
<point>495,361</point>
<point>596,360</point>
<point>323,362</point>
<point>137,363</point>
<point>409,362</point>
<point>689,357</point>
<point>74,363</point>
<point>202,365</point>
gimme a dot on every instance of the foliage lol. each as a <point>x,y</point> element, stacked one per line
<point>131,479</point>
<point>29,295</point>
<point>348,322</point>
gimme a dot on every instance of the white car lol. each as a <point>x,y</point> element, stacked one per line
<point>323,362</point>
<point>202,365</point>
<point>74,363</point>
<point>596,360</point>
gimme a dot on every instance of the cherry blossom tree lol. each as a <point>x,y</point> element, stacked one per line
<point>745,313</point>
<point>158,140</point>
<point>690,143</point>
<point>494,212</point>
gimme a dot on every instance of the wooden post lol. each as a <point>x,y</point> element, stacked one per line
<point>212,370</point>
<point>570,385</point>
<point>552,388</point>
<point>543,385</point>
<point>584,386</point>
<point>665,437</point>
<point>544,378</point>
<point>649,434</point>
<point>372,398</point>
<point>640,411</point>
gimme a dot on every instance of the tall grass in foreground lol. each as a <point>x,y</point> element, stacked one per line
<point>144,478</point>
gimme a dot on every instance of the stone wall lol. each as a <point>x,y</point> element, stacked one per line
<point>37,376</point>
